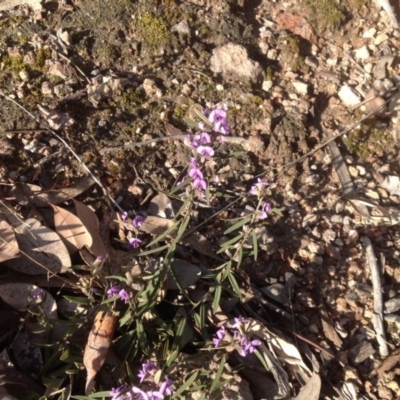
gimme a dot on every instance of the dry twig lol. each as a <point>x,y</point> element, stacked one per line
<point>377,318</point>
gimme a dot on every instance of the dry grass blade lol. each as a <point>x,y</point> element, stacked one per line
<point>97,346</point>
<point>8,243</point>
<point>71,229</point>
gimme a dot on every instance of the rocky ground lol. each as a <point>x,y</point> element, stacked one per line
<point>106,76</point>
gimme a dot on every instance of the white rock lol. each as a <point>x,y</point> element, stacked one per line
<point>266,85</point>
<point>348,96</point>
<point>362,53</point>
<point>301,87</point>
<point>219,87</point>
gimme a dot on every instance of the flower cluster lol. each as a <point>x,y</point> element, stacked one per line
<point>147,373</point>
<point>118,291</point>
<point>218,122</point>
<point>242,342</point>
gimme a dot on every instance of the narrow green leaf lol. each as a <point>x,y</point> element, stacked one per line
<point>117,278</point>
<point>171,359</point>
<point>179,334</point>
<point>184,206</point>
<point>217,298</point>
<point>160,237</point>
<point>238,225</point>
<point>182,229</point>
<point>187,383</point>
<point>156,250</point>
<point>78,300</point>
<point>255,244</point>
<point>218,375</point>
<point>234,285</point>
<point>180,186</point>
<point>277,211</point>
<point>201,116</point>
<point>262,359</point>
<point>126,318</point>
<point>239,256</point>
<point>226,270</point>
<point>142,337</point>
<point>228,243</point>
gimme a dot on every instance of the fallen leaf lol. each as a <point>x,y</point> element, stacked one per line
<point>71,229</point>
<point>91,222</point>
<point>201,244</point>
<point>21,296</point>
<point>156,225</point>
<point>97,346</point>
<point>187,274</point>
<point>8,243</point>
<point>42,250</point>
<point>295,24</point>
<point>161,206</point>
<point>311,390</point>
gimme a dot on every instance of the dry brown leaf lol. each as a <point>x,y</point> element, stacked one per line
<point>161,206</point>
<point>311,390</point>
<point>42,250</point>
<point>97,346</point>
<point>21,296</point>
<point>71,229</point>
<point>8,243</point>
<point>91,222</point>
<point>156,225</point>
<point>296,24</point>
<point>199,242</point>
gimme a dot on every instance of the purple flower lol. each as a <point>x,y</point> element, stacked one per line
<point>200,184</point>
<point>220,335</point>
<point>124,295</point>
<point>166,387</point>
<point>120,393</point>
<point>258,186</point>
<point>239,322</point>
<point>204,138</point>
<point>205,151</point>
<point>265,209</point>
<point>134,243</point>
<point>138,221</point>
<point>247,346</point>
<point>113,291</point>
<point>218,118</point>
<point>124,216</point>
<point>195,173</point>
<point>148,368</point>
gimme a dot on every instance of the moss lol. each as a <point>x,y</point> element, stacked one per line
<point>257,100</point>
<point>180,112</point>
<point>131,98</point>
<point>14,64</point>
<point>40,58</point>
<point>368,141</point>
<point>153,31</point>
<point>269,73</point>
<point>327,14</point>
<point>290,45</point>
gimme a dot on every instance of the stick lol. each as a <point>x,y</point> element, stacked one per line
<point>377,318</point>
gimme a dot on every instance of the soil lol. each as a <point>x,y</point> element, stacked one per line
<point>115,73</point>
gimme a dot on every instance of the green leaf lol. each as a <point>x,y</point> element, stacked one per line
<point>239,256</point>
<point>238,225</point>
<point>182,229</point>
<point>164,234</point>
<point>171,359</point>
<point>255,244</point>
<point>218,375</point>
<point>156,250</point>
<point>184,206</point>
<point>78,300</point>
<point>180,186</point>
<point>262,359</point>
<point>217,298</point>
<point>126,318</point>
<point>228,243</point>
<point>187,383</point>
<point>117,278</point>
<point>277,211</point>
<point>234,285</point>
<point>179,334</point>
<point>142,337</point>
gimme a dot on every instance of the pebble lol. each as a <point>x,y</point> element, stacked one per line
<point>361,352</point>
<point>392,305</point>
<point>301,87</point>
<point>362,53</point>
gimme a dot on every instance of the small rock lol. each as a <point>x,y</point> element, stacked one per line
<point>382,37</point>
<point>267,85</point>
<point>301,87</point>
<point>151,89</point>
<point>276,292</point>
<point>182,28</point>
<point>353,171</point>
<point>362,53</point>
<point>348,96</point>
<point>232,61</point>
<point>361,352</point>
<point>392,306</point>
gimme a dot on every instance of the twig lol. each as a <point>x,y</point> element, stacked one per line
<point>85,167</point>
<point>377,318</point>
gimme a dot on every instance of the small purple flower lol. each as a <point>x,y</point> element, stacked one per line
<point>113,291</point>
<point>195,173</point>
<point>137,222</point>
<point>148,368</point>
<point>205,151</point>
<point>166,387</point>
<point>220,335</point>
<point>124,295</point>
<point>124,216</point>
<point>265,210</point>
<point>200,184</point>
<point>261,183</point>
<point>204,138</point>
<point>134,243</point>
<point>247,346</point>
<point>119,393</point>
<point>218,118</point>
<point>239,322</point>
